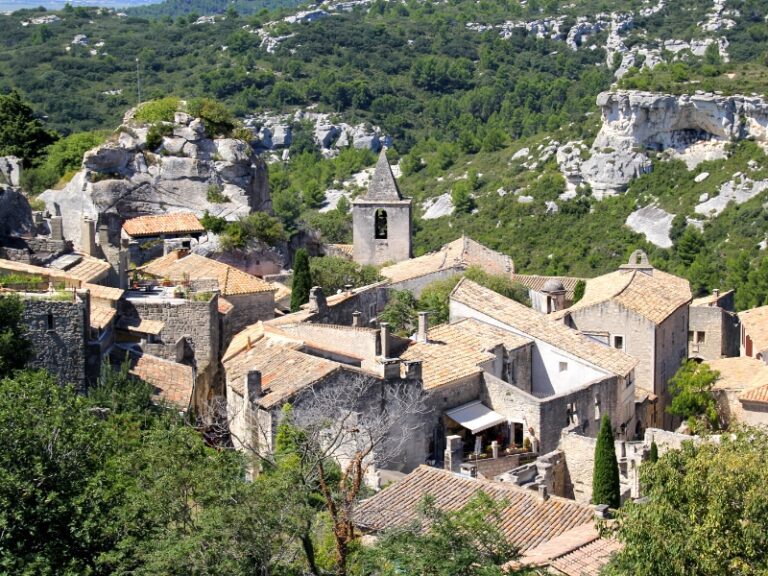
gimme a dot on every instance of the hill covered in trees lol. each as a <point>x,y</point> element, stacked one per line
<point>477,98</point>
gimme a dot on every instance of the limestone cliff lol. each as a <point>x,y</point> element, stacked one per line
<point>692,127</point>
<point>123,178</point>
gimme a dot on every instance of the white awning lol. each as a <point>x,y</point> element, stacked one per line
<point>475,416</point>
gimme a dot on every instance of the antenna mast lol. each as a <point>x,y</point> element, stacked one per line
<point>138,83</point>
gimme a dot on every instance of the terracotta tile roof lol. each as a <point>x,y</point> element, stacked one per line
<point>101,316</point>
<point>540,326</point>
<point>284,371</point>
<point>755,323</point>
<point>587,560</point>
<point>141,326</point>
<point>527,522</point>
<point>558,546</point>
<point>231,281</point>
<point>225,306</point>
<point>654,296</point>
<point>455,351</point>
<point>535,282</point>
<point>157,224</point>
<point>342,248</point>
<point>460,253</point>
<point>710,299</point>
<point>757,395</point>
<point>104,292</point>
<point>173,382</point>
<point>89,269</point>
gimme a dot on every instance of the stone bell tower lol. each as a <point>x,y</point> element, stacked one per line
<point>381,220</point>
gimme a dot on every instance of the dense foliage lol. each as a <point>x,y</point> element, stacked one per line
<point>334,273</point>
<point>606,488</point>
<point>704,513</point>
<point>21,133</point>
<point>15,348</point>
<point>302,280</point>
<point>692,396</point>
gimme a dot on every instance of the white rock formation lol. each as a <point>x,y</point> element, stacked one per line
<point>739,189</point>
<point>634,122</point>
<point>654,223</point>
<point>438,207</point>
<point>123,179</point>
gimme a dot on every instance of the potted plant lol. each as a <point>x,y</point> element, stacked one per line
<point>167,281</point>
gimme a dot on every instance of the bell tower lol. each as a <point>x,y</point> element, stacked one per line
<point>381,220</point>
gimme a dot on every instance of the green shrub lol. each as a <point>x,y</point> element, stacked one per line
<point>606,488</point>
<point>215,224</point>
<point>156,133</point>
<point>302,280</point>
<point>217,118</point>
<point>161,110</point>
<point>256,226</point>
<point>215,194</point>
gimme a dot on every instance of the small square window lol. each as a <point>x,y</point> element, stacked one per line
<point>563,366</point>
<point>690,336</point>
<point>49,321</point>
<point>618,342</point>
<point>700,337</point>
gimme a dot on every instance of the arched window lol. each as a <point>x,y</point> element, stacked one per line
<point>380,224</point>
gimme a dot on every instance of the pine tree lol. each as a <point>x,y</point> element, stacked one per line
<point>654,455</point>
<point>302,280</point>
<point>605,478</point>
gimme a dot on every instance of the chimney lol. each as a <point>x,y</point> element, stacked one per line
<point>253,386</point>
<point>122,269</point>
<point>495,449</point>
<point>543,493</point>
<point>602,511</point>
<point>355,319</point>
<point>384,339</point>
<point>88,236</point>
<point>103,237</point>
<point>85,298</point>
<point>454,453</point>
<point>317,302</point>
<point>716,293</point>
<point>57,228</point>
<point>348,288</point>
<point>421,335</point>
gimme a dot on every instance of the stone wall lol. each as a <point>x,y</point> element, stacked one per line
<point>755,414</point>
<point>720,329</point>
<point>416,285</point>
<point>441,400</point>
<point>341,343</point>
<point>247,309</point>
<point>670,352</point>
<point>369,302</point>
<point>59,333</point>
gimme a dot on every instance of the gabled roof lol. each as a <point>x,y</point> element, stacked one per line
<point>461,253</point>
<point>157,224</point>
<point>284,371</point>
<point>383,186</point>
<point>755,322</point>
<point>101,316</point>
<point>539,326</point>
<point>654,296</point>
<point>527,521</point>
<point>710,299</point>
<point>587,560</point>
<point>455,351</point>
<point>177,267</point>
<point>743,375</point>
<point>535,282</point>
<point>89,269</point>
<point>141,326</point>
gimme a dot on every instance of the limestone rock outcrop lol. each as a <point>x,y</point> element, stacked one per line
<point>636,122</point>
<point>189,171</point>
<point>15,213</point>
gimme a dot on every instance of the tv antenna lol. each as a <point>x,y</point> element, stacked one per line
<point>138,83</point>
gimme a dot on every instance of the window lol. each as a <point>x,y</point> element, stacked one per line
<point>597,407</point>
<point>380,224</point>
<point>49,321</point>
<point>700,337</point>
<point>690,336</point>
<point>618,342</point>
<point>563,366</point>
<point>572,417</point>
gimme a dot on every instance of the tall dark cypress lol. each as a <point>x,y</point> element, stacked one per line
<point>302,280</point>
<point>605,478</point>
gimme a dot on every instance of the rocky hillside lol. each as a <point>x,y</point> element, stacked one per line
<point>139,172</point>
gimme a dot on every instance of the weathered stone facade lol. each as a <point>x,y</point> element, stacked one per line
<point>713,328</point>
<point>247,309</point>
<point>58,331</point>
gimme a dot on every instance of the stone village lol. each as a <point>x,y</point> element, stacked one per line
<point>513,395</point>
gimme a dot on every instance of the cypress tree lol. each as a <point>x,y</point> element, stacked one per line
<point>654,455</point>
<point>605,478</point>
<point>302,280</point>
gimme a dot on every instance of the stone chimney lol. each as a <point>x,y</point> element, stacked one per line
<point>88,236</point>
<point>103,237</point>
<point>356,319</point>
<point>57,228</point>
<point>85,298</point>
<point>495,449</point>
<point>543,493</point>
<point>421,335</point>
<point>602,511</point>
<point>317,301</point>
<point>454,453</point>
<point>348,288</point>
<point>385,339</point>
<point>122,269</point>
<point>716,292</point>
<point>253,386</point>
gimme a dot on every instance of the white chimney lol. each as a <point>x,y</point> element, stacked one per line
<point>384,339</point>
<point>421,335</point>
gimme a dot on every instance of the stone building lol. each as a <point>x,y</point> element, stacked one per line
<point>243,298</point>
<point>713,327</point>
<point>572,379</point>
<point>381,220</point>
<point>741,390</point>
<point>452,259</point>
<point>643,312</point>
<point>549,294</point>
<point>155,235</point>
<point>754,333</point>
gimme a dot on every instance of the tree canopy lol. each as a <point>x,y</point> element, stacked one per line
<point>21,133</point>
<point>606,488</point>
